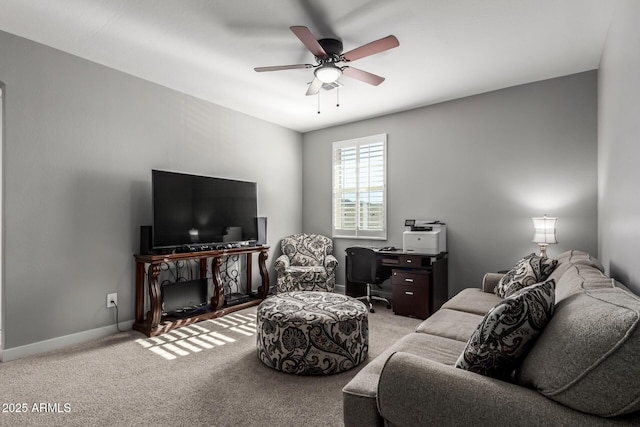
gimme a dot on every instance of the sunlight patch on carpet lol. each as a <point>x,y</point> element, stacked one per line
<point>203,336</point>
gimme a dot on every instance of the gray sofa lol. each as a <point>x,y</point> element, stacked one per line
<point>583,370</point>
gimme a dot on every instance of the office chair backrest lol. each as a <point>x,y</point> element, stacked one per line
<point>361,265</point>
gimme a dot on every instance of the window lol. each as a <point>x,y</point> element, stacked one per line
<point>359,188</point>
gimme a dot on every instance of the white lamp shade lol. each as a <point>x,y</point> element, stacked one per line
<point>328,73</point>
<point>545,230</point>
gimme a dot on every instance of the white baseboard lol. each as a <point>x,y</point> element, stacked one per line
<point>61,342</point>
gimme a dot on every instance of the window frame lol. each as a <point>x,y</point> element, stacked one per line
<point>359,232</point>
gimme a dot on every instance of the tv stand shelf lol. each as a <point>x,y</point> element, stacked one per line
<point>153,323</point>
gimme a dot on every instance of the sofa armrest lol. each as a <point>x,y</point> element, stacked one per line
<point>282,263</point>
<point>490,281</point>
<point>415,391</point>
<point>330,263</point>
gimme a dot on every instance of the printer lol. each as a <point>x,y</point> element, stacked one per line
<point>424,236</point>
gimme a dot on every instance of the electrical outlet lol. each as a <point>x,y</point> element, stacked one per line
<point>112,297</point>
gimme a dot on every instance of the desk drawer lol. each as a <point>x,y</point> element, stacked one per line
<point>414,261</point>
<point>411,301</point>
<point>414,278</point>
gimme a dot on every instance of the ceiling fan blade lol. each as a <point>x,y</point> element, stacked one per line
<point>314,87</point>
<point>372,48</point>
<point>363,76</point>
<point>309,40</point>
<point>283,67</point>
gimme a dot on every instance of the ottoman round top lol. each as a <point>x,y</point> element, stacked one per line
<point>312,333</point>
<point>311,307</point>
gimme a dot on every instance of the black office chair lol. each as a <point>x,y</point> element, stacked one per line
<point>362,268</point>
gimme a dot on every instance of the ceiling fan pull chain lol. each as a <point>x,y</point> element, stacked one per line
<point>337,97</point>
<point>318,102</point>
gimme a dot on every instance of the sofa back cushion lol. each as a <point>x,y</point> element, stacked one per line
<point>568,259</point>
<point>587,357</point>
<point>578,278</point>
<point>579,258</point>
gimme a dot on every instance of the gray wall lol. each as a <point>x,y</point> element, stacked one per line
<point>81,140</point>
<point>619,147</point>
<point>484,165</point>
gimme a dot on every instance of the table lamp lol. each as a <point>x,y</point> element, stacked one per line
<point>545,233</point>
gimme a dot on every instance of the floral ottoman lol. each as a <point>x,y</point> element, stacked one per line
<point>312,333</point>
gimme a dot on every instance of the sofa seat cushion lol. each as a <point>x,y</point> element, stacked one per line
<point>359,395</point>
<point>472,300</point>
<point>453,324</point>
<point>529,270</point>
<point>506,333</point>
<point>595,371</point>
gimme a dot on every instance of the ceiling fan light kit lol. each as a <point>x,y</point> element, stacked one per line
<point>328,73</point>
<point>329,57</point>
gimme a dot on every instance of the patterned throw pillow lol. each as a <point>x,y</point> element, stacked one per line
<point>508,330</point>
<point>529,270</point>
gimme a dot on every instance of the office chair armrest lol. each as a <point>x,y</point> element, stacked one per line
<point>330,263</point>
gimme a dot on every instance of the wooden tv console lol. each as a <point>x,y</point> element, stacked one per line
<point>148,269</point>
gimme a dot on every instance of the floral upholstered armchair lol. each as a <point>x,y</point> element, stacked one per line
<point>306,264</point>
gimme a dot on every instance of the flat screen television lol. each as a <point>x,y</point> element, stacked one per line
<point>201,210</point>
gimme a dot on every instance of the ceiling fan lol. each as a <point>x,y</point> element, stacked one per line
<point>331,63</point>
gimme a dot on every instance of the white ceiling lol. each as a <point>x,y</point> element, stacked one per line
<point>208,48</point>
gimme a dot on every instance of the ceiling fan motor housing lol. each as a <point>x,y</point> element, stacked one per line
<point>333,48</point>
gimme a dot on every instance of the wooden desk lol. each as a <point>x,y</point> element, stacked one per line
<point>155,324</point>
<point>419,282</point>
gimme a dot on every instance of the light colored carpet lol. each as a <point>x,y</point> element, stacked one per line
<point>207,374</point>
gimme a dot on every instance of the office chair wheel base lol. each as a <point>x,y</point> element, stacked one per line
<point>388,305</point>
<point>371,310</point>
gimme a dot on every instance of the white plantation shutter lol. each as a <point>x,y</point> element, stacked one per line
<point>359,187</point>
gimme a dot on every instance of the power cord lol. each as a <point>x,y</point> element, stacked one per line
<point>117,323</point>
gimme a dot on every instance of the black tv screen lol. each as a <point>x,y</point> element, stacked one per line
<point>198,210</point>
